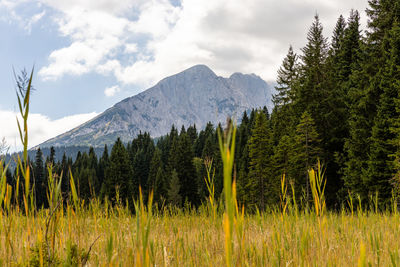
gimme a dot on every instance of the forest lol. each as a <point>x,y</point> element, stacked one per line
<point>337,102</point>
<point>315,181</point>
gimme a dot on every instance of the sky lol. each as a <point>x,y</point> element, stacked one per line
<point>90,54</point>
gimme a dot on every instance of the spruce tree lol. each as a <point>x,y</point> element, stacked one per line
<point>174,197</point>
<point>118,174</point>
<point>342,62</point>
<point>39,178</point>
<point>281,157</point>
<point>305,152</point>
<point>65,183</point>
<point>364,98</point>
<point>381,169</point>
<point>395,71</point>
<point>311,95</point>
<point>155,164</point>
<point>287,76</point>
<point>261,184</point>
<point>103,164</point>
<point>186,171</point>
<point>160,187</point>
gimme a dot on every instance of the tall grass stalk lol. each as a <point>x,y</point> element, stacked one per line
<point>283,196</point>
<point>317,184</point>
<point>227,149</point>
<point>209,180</point>
<point>23,96</point>
<point>143,225</point>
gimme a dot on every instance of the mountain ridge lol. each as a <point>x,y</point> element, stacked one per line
<point>194,96</point>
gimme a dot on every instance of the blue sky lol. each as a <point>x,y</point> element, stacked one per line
<point>90,54</point>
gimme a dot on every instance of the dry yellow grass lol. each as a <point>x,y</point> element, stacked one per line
<point>100,235</point>
<point>196,240</point>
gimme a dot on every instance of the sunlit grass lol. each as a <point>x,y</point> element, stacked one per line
<point>189,239</point>
<point>73,233</point>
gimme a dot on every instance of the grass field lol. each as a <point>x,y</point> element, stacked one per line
<point>72,233</point>
<point>195,239</point>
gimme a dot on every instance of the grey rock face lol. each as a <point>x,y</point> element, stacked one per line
<point>194,96</point>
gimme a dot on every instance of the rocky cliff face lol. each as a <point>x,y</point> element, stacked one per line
<point>194,96</point>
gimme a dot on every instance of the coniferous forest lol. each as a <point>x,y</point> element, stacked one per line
<point>313,182</point>
<point>337,101</point>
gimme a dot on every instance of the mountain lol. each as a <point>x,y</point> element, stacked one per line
<point>194,96</point>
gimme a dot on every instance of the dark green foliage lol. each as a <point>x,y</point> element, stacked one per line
<point>118,174</point>
<point>186,171</point>
<point>287,76</point>
<point>40,179</point>
<point>157,180</point>
<point>381,167</point>
<point>372,98</point>
<point>174,197</point>
<point>141,152</point>
<point>261,183</point>
<point>305,152</point>
<point>338,102</point>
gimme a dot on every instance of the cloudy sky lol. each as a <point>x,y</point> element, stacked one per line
<point>90,54</point>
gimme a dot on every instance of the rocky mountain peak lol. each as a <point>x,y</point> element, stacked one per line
<point>194,96</point>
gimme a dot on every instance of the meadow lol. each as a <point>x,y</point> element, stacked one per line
<point>181,238</point>
<point>71,232</point>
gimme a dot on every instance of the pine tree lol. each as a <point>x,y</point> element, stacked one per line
<point>39,178</point>
<point>118,174</point>
<point>381,167</point>
<point>192,133</point>
<point>260,152</point>
<point>342,62</point>
<point>103,164</point>
<point>282,156</point>
<point>338,35</point>
<point>65,182</point>
<point>305,152</point>
<point>52,155</point>
<point>313,59</point>
<point>241,157</point>
<point>287,76</point>
<point>312,93</point>
<point>174,197</point>
<point>160,187</point>
<point>395,70</point>
<point>186,171</point>
<point>155,165</point>
<point>364,98</point>
<point>141,152</point>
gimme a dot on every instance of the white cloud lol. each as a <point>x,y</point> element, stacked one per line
<point>9,12</point>
<point>34,19</point>
<point>140,42</point>
<point>40,127</point>
<point>111,91</point>
<point>130,48</point>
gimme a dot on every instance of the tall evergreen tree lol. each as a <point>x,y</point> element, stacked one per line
<point>305,152</point>
<point>103,164</point>
<point>312,93</point>
<point>287,76</point>
<point>174,197</point>
<point>118,175</point>
<point>364,99</point>
<point>261,183</point>
<point>342,62</point>
<point>380,164</point>
<point>156,181</point>
<point>186,171</point>
<point>39,178</point>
